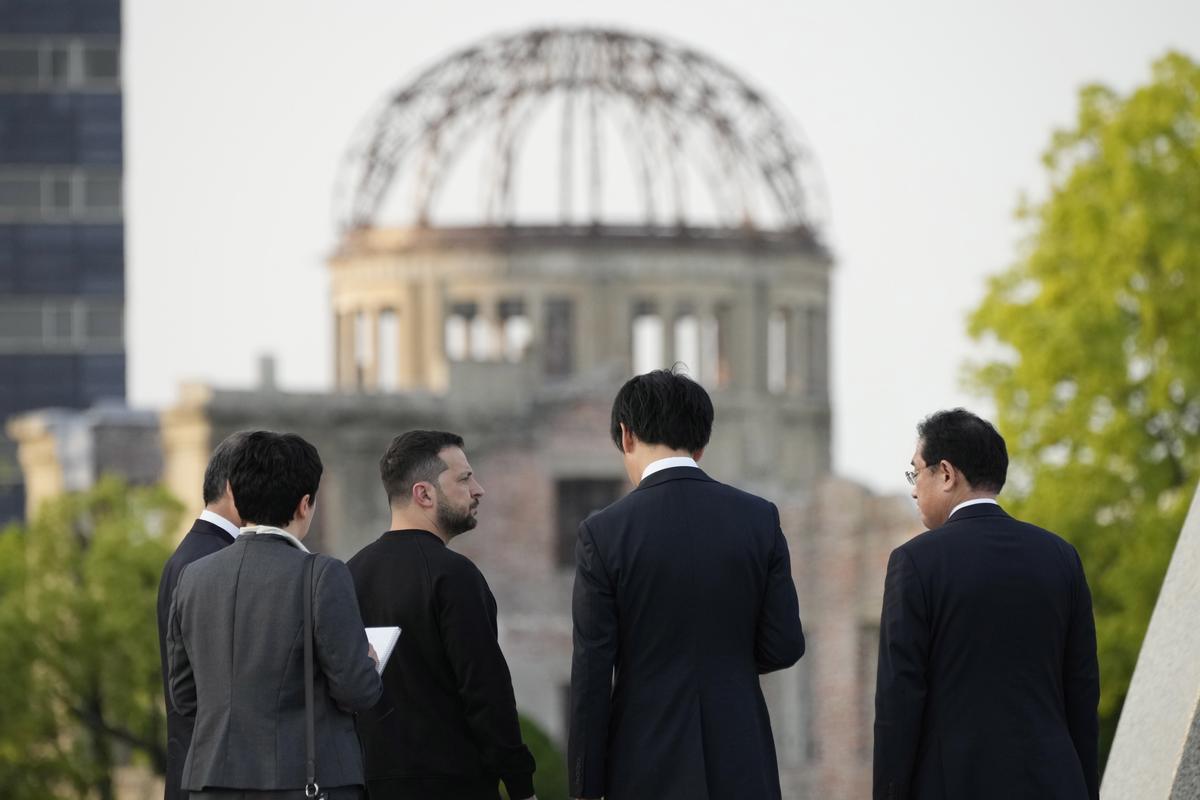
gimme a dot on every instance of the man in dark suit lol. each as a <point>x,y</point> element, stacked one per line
<point>684,587</point>
<point>988,681</point>
<point>446,727</point>
<point>216,528</point>
<point>235,644</point>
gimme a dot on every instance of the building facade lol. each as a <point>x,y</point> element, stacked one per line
<point>62,243</point>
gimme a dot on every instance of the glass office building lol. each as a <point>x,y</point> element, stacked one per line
<point>62,239</point>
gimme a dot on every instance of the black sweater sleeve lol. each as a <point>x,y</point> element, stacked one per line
<point>467,616</point>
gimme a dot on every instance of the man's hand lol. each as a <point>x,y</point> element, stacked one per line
<point>374,656</point>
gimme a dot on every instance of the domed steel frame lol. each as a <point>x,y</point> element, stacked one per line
<point>671,101</point>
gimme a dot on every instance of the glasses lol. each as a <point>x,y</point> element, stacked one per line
<point>911,474</point>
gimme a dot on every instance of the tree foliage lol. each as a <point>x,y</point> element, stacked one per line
<point>82,686</point>
<point>1098,388</point>
<point>550,778</point>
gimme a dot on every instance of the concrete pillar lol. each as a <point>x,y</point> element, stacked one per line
<point>488,312</point>
<point>795,349</point>
<point>410,370</point>
<point>433,325</point>
<point>187,443</point>
<point>37,453</point>
<point>344,323</point>
<point>370,355</point>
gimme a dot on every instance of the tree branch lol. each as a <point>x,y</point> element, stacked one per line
<point>97,723</point>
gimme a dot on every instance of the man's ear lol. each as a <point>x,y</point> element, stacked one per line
<point>422,494</point>
<point>696,456</point>
<point>628,439</point>
<point>304,509</point>
<point>948,475</point>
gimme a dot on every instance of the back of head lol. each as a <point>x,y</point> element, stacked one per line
<point>663,407</point>
<point>411,458</point>
<point>216,474</point>
<point>270,473</point>
<point>970,443</point>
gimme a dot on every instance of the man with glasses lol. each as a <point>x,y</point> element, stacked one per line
<point>988,681</point>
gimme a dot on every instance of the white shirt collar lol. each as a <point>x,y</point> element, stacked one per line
<point>668,463</point>
<point>250,530</point>
<point>976,502</point>
<point>220,522</point>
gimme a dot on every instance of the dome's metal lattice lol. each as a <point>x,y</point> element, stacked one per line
<point>694,132</point>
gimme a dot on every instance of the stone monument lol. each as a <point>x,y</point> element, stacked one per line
<point>1156,752</point>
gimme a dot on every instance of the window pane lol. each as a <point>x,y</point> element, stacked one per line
<point>647,344</point>
<point>389,337</point>
<point>101,63</point>
<point>104,323</point>
<point>559,337</point>
<point>456,337</point>
<point>58,323</point>
<point>102,193</point>
<point>577,498</point>
<point>483,339</point>
<point>18,63</point>
<point>777,355</point>
<point>21,323</point>
<point>21,192</point>
<point>60,63</point>
<point>60,192</point>
<point>687,344</point>
<point>518,333</point>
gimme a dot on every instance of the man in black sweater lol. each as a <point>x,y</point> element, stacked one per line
<point>446,726</point>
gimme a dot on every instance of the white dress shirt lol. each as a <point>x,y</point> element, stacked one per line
<point>668,463</point>
<point>220,522</point>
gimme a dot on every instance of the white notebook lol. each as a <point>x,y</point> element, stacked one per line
<point>384,641</point>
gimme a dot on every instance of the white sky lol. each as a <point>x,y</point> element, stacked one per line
<point>927,120</point>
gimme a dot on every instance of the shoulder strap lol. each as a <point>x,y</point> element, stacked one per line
<point>310,764</point>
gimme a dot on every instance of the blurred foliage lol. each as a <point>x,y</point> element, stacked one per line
<point>1098,386</point>
<point>550,779</point>
<point>82,686</point>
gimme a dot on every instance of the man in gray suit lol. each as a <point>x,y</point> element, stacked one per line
<point>235,648</point>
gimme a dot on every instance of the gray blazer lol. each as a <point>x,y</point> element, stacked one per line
<point>235,654</point>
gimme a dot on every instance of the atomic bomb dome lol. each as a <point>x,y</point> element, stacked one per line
<point>574,200</point>
<point>579,126</point>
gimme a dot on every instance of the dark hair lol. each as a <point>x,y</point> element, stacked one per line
<point>270,474</point>
<point>216,475</point>
<point>412,457</point>
<point>968,442</point>
<point>663,407</point>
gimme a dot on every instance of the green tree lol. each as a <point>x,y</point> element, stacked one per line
<point>1097,387</point>
<point>82,685</point>
<point>550,779</point>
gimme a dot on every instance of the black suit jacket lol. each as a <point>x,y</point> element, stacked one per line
<point>204,538</point>
<point>988,681</point>
<point>446,725</point>
<point>683,590</point>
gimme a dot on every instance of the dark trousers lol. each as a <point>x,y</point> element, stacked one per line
<point>334,793</point>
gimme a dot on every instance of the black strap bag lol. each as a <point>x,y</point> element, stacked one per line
<point>311,789</point>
